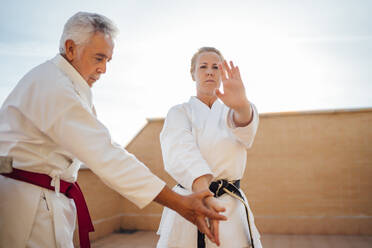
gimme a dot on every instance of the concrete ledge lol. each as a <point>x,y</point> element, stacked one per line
<point>149,239</point>
<point>141,222</point>
<point>341,225</point>
<point>102,229</point>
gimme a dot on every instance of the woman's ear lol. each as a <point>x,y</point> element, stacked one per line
<point>71,50</point>
<point>192,75</point>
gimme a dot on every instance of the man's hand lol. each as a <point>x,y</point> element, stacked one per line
<point>214,204</point>
<point>200,211</point>
<point>192,208</point>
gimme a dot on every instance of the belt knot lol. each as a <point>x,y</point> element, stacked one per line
<point>217,187</point>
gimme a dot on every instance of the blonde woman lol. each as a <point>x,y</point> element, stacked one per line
<point>204,143</point>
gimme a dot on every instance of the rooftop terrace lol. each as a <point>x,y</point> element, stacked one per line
<point>146,239</point>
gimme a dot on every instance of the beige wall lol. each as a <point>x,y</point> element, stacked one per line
<point>146,147</point>
<point>103,204</point>
<point>307,173</point>
<point>312,173</point>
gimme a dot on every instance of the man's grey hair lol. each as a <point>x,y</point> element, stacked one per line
<point>81,26</point>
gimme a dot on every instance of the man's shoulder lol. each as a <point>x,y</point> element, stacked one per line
<point>47,77</point>
<point>43,83</point>
<point>44,72</point>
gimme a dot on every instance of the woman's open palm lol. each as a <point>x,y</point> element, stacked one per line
<point>234,92</point>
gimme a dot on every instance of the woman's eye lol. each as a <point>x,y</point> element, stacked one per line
<point>215,67</point>
<point>203,67</point>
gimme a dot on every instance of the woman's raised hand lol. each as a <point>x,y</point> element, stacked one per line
<point>234,92</point>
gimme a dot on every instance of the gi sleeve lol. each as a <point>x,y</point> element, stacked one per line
<point>79,131</point>
<point>181,154</point>
<point>244,135</point>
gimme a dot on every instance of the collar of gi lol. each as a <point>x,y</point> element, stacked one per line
<point>78,81</point>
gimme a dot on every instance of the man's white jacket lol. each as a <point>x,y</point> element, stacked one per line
<point>48,125</point>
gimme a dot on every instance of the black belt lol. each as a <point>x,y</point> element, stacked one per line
<point>219,188</point>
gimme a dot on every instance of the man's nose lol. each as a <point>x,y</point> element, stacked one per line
<point>102,68</point>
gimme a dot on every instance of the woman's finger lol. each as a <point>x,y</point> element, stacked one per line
<point>203,227</point>
<point>222,71</point>
<point>219,208</point>
<point>210,213</point>
<point>216,231</point>
<point>227,68</point>
<point>233,69</point>
<point>219,94</point>
<point>203,194</point>
<point>238,73</point>
<point>232,66</point>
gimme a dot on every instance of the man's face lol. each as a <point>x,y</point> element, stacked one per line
<point>90,59</point>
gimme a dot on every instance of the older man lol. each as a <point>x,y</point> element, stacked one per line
<point>48,125</point>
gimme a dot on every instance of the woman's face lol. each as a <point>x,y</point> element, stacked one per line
<point>206,74</point>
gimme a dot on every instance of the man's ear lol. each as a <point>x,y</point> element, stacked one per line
<point>71,50</point>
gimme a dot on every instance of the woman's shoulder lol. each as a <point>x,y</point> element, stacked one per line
<point>179,113</point>
<point>181,108</point>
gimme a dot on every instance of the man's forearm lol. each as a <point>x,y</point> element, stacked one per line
<point>190,206</point>
<point>170,199</point>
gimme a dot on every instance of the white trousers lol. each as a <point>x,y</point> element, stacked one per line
<point>31,216</point>
<point>53,226</point>
<point>42,233</point>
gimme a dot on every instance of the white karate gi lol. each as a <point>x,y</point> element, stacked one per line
<point>48,125</point>
<point>198,140</point>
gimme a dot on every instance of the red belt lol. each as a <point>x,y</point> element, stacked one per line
<point>71,190</point>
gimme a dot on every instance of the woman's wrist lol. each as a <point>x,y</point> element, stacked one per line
<point>202,183</point>
<point>243,116</point>
<point>208,200</point>
<point>243,107</point>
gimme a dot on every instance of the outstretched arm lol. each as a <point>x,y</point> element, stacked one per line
<point>191,207</point>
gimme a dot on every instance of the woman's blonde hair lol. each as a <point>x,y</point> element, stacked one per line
<point>200,51</point>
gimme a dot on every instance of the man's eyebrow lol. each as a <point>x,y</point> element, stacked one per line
<point>103,56</point>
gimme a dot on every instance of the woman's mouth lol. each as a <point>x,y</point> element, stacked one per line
<point>210,81</point>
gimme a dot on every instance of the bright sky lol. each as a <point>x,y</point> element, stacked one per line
<point>293,55</point>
